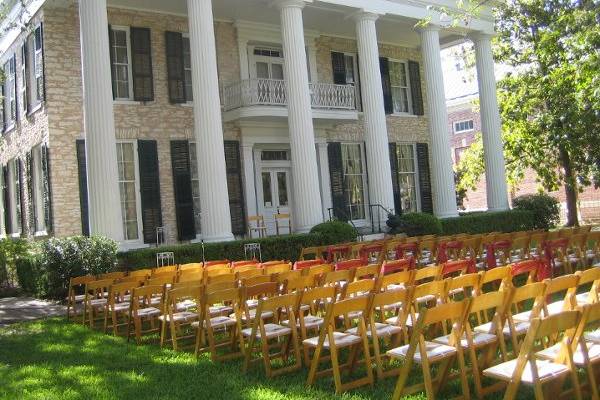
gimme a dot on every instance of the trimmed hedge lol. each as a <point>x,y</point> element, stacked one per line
<point>415,224</point>
<point>286,247</point>
<point>545,208</point>
<point>485,222</point>
<point>336,231</point>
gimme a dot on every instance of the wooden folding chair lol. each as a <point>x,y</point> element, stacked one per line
<point>241,276</point>
<point>75,300</point>
<point>560,294</point>
<point>360,288</point>
<point>213,263</point>
<point>426,255</point>
<point>213,323</point>
<point>519,321</point>
<point>111,275</point>
<point>251,296</point>
<point>260,333</point>
<point>95,300</point>
<point>529,268</point>
<point>427,274</point>
<point>277,268</point>
<point>145,308</point>
<point>494,279</point>
<point>312,253</point>
<point>318,271</point>
<point>367,272</point>
<point>163,270</point>
<point>225,277</point>
<point>585,292</point>
<point>191,275</point>
<point>118,305</point>
<point>164,279</point>
<point>332,340</point>
<point>403,264</point>
<point>140,273</point>
<point>302,265</point>
<point>397,280</point>
<point>182,309</point>
<point>426,353</point>
<point>256,223</point>
<point>462,286</point>
<point>529,369</point>
<point>284,277</point>
<point>280,223</point>
<point>191,267</point>
<point>456,268</point>
<point>576,251</point>
<point>337,278</point>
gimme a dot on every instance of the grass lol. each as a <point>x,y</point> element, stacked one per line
<point>54,359</point>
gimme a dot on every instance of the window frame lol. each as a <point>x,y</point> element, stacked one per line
<point>415,173</point>
<point>139,242</point>
<point>15,199</point>
<point>456,131</point>
<point>24,80</point>
<point>365,183</point>
<point>357,89</point>
<point>127,31</point>
<point>38,191</point>
<point>408,90</point>
<point>186,36</point>
<point>197,213</point>
<point>266,59</point>
<point>10,94</point>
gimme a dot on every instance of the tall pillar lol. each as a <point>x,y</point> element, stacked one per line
<point>305,175</point>
<point>442,174</point>
<point>208,128</point>
<point>249,184</point>
<point>376,137</point>
<point>325,180</point>
<point>495,168</point>
<point>100,144</point>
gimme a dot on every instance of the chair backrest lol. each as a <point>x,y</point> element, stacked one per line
<point>297,284</point>
<point>525,294</point>
<point>257,280</point>
<point>471,246</point>
<point>407,249</point>
<point>176,296</point>
<point>181,284</point>
<point>247,274</point>
<point>98,287</point>
<point>466,285</point>
<point>118,291</point>
<point>459,267</point>
<point>111,275</point>
<point>358,288</point>
<point>230,296</point>
<point>276,304</point>
<point>190,275</point>
<point>318,271</point>
<point>434,289</point>
<point>165,269</point>
<point>247,267</point>
<point>277,268</point>
<point>455,312</point>
<point>368,271</point>
<point>550,327</point>
<point>338,253</point>
<point>140,296</point>
<point>164,279</point>
<point>566,287</point>
<point>217,267</point>
<point>300,265</point>
<point>192,266</point>
<point>402,296</point>
<point>427,274</point>
<point>220,278</point>
<point>403,264</point>
<point>589,275</point>
<point>402,278</point>
<point>81,280</point>
<point>530,267</point>
<point>241,263</point>
<point>347,306</point>
<point>315,252</point>
<point>282,277</point>
<point>283,221</point>
<point>256,221</point>
<point>333,277</point>
<point>497,302</point>
<point>216,262</point>
<point>140,273</point>
<point>349,264</point>
<point>318,295</point>
<point>215,287</point>
<point>267,289</point>
<point>372,252</point>
<point>501,275</point>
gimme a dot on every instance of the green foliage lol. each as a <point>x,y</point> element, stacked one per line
<point>60,259</point>
<point>28,274</point>
<point>415,224</point>
<point>545,208</point>
<point>336,231</point>
<point>272,248</point>
<point>485,222</point>
<point>11,251</point>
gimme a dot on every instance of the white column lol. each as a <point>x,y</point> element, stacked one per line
<point>208,128</point>
<point>100,144</point>
<point>249,183</point>
<point>305,176</point>
<point>376,137</point>
<point>442,175</point>
<point>495,168</point>
<point>325,181</point>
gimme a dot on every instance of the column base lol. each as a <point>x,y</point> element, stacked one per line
<point>224,237</point>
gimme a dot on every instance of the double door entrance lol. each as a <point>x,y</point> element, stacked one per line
<point>274,195</point>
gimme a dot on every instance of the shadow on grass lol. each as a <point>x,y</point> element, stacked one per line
<point>54,359</point>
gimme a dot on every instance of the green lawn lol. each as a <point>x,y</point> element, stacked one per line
<point>54,359</point>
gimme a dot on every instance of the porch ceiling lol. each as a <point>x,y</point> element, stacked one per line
<point>319,16</point>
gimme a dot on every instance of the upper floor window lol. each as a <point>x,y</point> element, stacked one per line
<point>187,68</point>
<point>10,97</point>
<point>268,63</point>
<point>463,126</point>
<point>121,63</point>
<point>345,71</point>
<point>400,86</point>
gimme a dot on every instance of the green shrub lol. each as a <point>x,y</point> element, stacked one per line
<point>485,222</point>
<point>415,224</point>
<point>336,232</point>
<point>63,258</point>
<point>28,274</point>
<point>11,251</point>
<point>272,248</point>
<point>545,208</point>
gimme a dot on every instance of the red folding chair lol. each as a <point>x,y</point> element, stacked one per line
<point>459,266</point>
<point>492,248</point>
<point>299,265</point>
<point>349,264</point>
<point>405,264</point>
<point>450,247</point>
<point>372,251</point>
<point>534,268</point>
<point>403,248</point>
<point>338,253</point>
<point>555,252</point>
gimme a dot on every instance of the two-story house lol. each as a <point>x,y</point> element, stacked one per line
<point>127,117</point>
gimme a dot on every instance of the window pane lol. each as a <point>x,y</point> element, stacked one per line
<point>266,184</point>
<point>353,180</point>
<point>262,70</point>
<point>127,188</point>
<point>349,61</point>
<point>120,38</point>
<point>282,188</point>
<point>408,193</point>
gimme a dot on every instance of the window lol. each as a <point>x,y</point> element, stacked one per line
<point>463,126</point>
<point>121,63</point>
<point>195,187</point>
<point>274,155</point>
<point>400,86</point>
<point>23,73</point>
<point>2,205</point>
<point>10,109</point>
<point>407,177</point>
<point>39,64</point>
<point>458,153</point>
<point>345,71</point>
<point>127,166</point>
<point>268,63</point>
<point>265,52</point>
<point>354,180</point>
<point>187,69</point>
<point>15,196</point>
<point>38,189</point>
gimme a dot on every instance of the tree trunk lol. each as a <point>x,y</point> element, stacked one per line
<point>570,187</point>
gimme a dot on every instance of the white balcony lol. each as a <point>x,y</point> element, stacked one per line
<point>267,97</point>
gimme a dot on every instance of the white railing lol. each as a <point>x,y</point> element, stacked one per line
<point>272,92</point>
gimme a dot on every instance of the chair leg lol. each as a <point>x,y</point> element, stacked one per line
<point>173,326</point>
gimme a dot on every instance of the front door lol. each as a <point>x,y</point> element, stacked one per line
<point>276,195</point>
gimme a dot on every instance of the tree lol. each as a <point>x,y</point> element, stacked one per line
<point>550,105</point>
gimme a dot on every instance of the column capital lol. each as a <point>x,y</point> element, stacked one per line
<point>290,3</point>
<point>479,36</point>
<point>430,27</point>
<point>363,15</point>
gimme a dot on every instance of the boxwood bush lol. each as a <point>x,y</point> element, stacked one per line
<point>546,209</point>
<point>415,224</point>
<point>336,232</point>
<point>485,222</point>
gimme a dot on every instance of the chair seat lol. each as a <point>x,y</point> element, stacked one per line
<point>341,339</point>
<point>408,322</point>
<point>393,306</point>
<point>252,303</point>
<point>219,310</point>
<point>434,351</point>
<point>521,328</point>
<point>78,298</point>
<point>593,351</point>
<point>310,322</point>
<point>582,298</point>
<point>219,322</point>
<point>479,339</point>
<point>186,305</point>
<point>426,299</point>
<point>252,314</point>
<point>524,316</point>
<point>593,336</point>
<point>352,315</point>
<point>155,300</point>
<point>382,330</point>
<point>120,306</point>
<point>546,370</point>
<point>271,331</point>
<point>98,302</point>
<point>183,316</point>
<point>147,312</point>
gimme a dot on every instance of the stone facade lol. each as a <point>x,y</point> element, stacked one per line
<point>59,121</point>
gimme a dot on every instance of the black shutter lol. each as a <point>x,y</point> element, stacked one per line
<point>234,187</point>
<point>149,189</point>
<point>47,189</point>
<point>25,83</point>
<point>6,196</point>
<point>182,182</point>
<point>111,43</point>
<point>424,178</point>
<point>2,110</point>
<point>395,180</point>
<point>414,75</point>
<point>141,64</point>
<point>83,189</point>
<point>31,204</point>
<point>20,176</point>
<point>41,82</point>
<point>175,69</point>
<point>336,178</point>
<point>386,83</point>
<point>338,64</point>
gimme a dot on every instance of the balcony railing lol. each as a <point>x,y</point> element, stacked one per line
<point>272,92</point>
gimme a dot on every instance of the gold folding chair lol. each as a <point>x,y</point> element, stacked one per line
<point>260,333</point>
<point>332,340</point>
<point>74,300</point>
<point>140,273</point>
<point>256,224</point>
<point>277,268</point>
<point>95,300</point>
<point>494,279</point>
<point>182,309</point>
<point>146,306</point>
<point>118,305</point>
<point>367,272</point>
<point>111,275</point>
<point>427,352</point>
<point>519,321</point>
<point>531,369</point>
<point>280,223</point>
